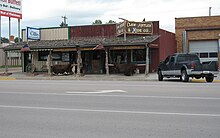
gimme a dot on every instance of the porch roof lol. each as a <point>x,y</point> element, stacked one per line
<point>84,43</point>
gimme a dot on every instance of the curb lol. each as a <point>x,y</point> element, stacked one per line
<point>7,78</point>
<point>204,81</point>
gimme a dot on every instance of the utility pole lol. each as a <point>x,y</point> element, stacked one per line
<point>64,20</point>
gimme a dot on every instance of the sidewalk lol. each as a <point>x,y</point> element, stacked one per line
<point>17,74</point>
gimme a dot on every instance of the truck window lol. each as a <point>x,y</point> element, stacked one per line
<point>167,60</point>
<point>181,58</point>
<point>194,58</point>
<point>172,60</point>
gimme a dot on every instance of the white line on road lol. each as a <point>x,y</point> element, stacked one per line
<point>108,111</point>
<point>101,94</point>
<point>98,92</point>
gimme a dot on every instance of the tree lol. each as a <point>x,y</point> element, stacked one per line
<point>16,40</point>
<point>97,22</point>
<point>111,22</point>
<point>4,40</point>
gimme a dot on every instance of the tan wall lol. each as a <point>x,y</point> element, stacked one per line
<point>50,34</point>
<point>183,24</point>
<point>14,59</point>
<point>54,34</point>
<point>203,35</point>
<point>2,57</point>
<point>24,38</point>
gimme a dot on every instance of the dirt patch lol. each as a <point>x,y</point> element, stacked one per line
<point>5,74</point>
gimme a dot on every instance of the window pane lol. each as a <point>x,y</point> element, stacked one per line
<point>181,58</point>
<point>65,57</point>
<point>57,56</point>
<point>194,58</point>
<point>139,55</point>
<point>43,55</point>
<point>118,56</point>
<point>204,55</point>
<point>213,55</point>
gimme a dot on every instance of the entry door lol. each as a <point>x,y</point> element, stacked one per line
<point>27,60</point>
<point>98,62</point>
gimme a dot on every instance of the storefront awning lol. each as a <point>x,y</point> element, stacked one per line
<point>85,43</point>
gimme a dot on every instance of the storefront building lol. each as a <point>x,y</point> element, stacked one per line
<point>99,48</point>
<point>199,35</point>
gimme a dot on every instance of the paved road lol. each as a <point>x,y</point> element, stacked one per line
<point>108,109</point>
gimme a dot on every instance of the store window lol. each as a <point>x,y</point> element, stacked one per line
<point>43,55</point>
<point>65,57</point>
<point>118,56</point>
<point>139,56</point>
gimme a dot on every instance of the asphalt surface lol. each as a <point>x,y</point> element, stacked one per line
<point>107,109</point>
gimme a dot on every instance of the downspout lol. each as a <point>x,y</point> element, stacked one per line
<point>184,42</point>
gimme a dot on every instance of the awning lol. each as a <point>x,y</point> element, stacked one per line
<point>25,48</point>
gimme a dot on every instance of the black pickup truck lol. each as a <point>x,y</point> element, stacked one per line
<point>185,66</point>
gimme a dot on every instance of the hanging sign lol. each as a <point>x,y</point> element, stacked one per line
<point>33,33</point>
<point>130,27</point>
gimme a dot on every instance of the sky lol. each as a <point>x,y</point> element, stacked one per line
<point>48,13</point>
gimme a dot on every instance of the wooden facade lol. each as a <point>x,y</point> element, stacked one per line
<point>75,41</point>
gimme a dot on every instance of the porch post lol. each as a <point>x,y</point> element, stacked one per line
<point>219,52</point>
<point>106,62</point>
<point>49,63</point>
<point>147,60</point>
<point>22,62</point>
<point>6,62</point>
<point>79,61</point>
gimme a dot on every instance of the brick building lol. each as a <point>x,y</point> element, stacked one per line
<point>199,35</point>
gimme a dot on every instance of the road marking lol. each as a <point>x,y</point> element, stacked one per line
<point>108,111</point>
<point>98,92</point>
<point>7,78</point>
<point>204,81</point>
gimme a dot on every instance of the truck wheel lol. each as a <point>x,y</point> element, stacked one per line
<point>209,78</point>
<point>184,76</point>
<point>160,76</point>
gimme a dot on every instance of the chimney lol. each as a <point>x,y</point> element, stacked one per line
<point>210,11</point>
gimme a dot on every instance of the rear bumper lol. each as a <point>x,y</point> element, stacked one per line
<point>202,73</point>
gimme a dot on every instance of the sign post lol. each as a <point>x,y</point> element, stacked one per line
<point>0,31</point>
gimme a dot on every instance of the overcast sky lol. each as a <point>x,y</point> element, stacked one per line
<point>47,13</point>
